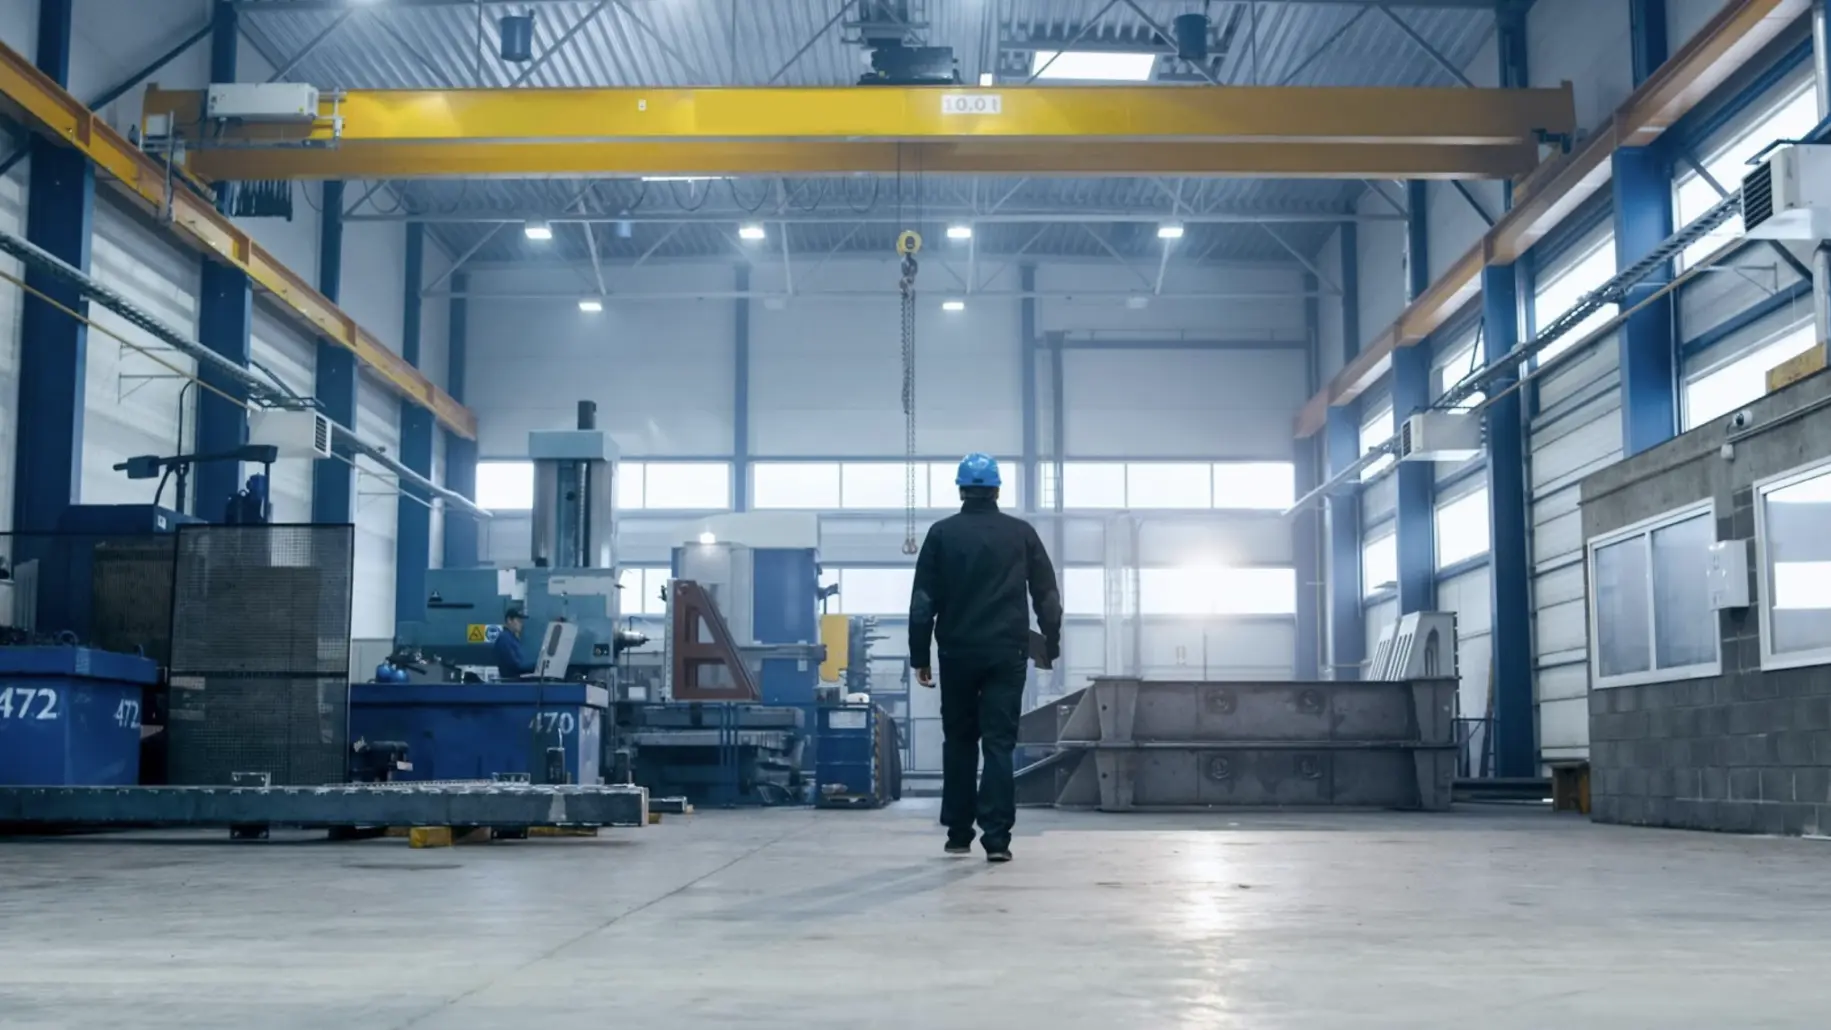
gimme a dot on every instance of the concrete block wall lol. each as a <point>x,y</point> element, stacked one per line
<point>1746,751</point>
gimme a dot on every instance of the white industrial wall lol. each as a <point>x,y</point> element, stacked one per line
<point>1575,411</point>
<point>133,401</point>
<point>825,381</point>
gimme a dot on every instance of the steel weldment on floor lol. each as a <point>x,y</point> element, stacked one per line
<point>1131,744</point>
<point>372,804</point>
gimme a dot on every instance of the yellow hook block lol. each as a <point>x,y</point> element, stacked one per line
<point>909,242</point>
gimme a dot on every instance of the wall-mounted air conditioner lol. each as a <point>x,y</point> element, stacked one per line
<point>1440,436</point>
<point>297,434</point>
<point>1789,196</point>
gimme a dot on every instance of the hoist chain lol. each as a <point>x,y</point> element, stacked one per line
<point>906,286</point>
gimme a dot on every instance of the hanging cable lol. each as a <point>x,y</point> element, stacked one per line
<point>908,244</point>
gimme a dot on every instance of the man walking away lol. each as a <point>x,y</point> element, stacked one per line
<point>971,579</point>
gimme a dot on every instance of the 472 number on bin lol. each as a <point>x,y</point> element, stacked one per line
<point>45,703</point>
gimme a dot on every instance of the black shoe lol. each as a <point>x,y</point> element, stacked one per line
<point>997,854</point>
<point>957,848</point>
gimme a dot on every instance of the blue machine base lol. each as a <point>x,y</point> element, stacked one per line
<point>458,731</point>
<point>70,716</point>
<point>855,763</point>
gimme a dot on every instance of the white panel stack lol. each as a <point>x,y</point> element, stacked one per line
<point>135,402</point>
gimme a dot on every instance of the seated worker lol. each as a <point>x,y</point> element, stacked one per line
<point>510,662</point>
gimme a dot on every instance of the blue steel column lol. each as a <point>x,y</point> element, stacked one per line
<point>1306,525</point>
<point>334,479</point>
<point>1347,623</point>
<point>461,530</point>
<point>740,394</point>
<point>1516,749</point>
<point>1642,185</point>
<point>413,527</point>
<point>1026,347</point>
<point>225,318</point>
<point>1417,486</point>
<point>53,356</point>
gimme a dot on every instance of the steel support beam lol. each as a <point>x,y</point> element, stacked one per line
<point>1306,526</point>
<point>1383,132</point>
<point>31,97</point>
<point>225,322</point>
<point>53,357</point>
<point>1509,569</point>
<point>1027,347</point>
<point>1416,480</point>
<point>333,479</point>
<point>1551,193</point>
<point>740,391</point>
<point>462,549</point>
<point>1641,181</point>
<point>1347,622</point>
<point>413,528</point>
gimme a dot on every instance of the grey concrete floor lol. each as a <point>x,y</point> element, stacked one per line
<point>854,920</point>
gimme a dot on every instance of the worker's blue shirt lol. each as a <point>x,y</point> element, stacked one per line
<point>509,661</point>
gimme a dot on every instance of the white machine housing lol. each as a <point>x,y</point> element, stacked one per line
<point>1788,197</point>
<point>298,434</point>
<point>1418,645</point>
<point>262,101</point>
<point>1440,436</point>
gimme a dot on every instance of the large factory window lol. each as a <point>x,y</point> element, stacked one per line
<point>1566,282</point>
<point>1217,590</point>
<point>1084,591</point>
<point>1175,485</point>
<point>1791,514</point>
<point>1463,361</point>
<point>1726,387</point>
<point>1650,615</point>
<point>795,484</point>
<point>1376,430</point>
<point>505,485</point>
<point>883,592</point>
<point>864,485</point>
<point>1379,565</point>
<point>641,591</point>
<point>1462,528</point>
<point>686,485</point>
<point>1792,114</point>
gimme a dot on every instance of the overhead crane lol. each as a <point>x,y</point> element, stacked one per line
<point>1326,132</point>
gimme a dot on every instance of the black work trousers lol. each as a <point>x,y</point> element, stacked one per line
<point>982,695</point>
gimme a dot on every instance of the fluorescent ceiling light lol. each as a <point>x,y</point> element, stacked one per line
<point>987,79</point>
<point>751,231</point>
<point>1087,65</point>
<point>591,306</point>
<point>959,232</point>
<point>682,178</point>
<point>1170,231</point>
<point>538,231</point>
<point>953,305</point>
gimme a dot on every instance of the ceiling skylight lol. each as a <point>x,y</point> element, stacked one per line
<point>1092,66</point>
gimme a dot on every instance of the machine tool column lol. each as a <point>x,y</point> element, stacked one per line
<point>334,479</point>
<point>1509,571</point>
<point>461,530</point>
<point>413,532</point>
<point>53,357</point>
<point>224,324</point>
<point>1642,185</point>
<point>1415,537</point>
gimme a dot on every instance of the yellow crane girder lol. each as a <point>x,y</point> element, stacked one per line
<point>1242,131</point>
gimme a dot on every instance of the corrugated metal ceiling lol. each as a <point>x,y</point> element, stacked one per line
<point>805,42</point>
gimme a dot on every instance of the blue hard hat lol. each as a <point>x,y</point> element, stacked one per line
<point>978,470</point>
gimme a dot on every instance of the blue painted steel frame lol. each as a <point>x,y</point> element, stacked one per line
<point>334,479</point>
<point>225,319</point>
<point>1416,486</point>
<point>740,393</point>
<point>1306,525</point>
<point>461,530</point>
<point>53,359</point>
<point>1347,626</point>
<point>1516,748</point>
<point>413,528</point>
<point>1027,348</point>
<point>1642,193</point>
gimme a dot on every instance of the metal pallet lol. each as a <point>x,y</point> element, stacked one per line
<point>379,804</point>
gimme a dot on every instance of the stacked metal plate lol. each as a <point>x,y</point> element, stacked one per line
<point>261,654</point>
<point>1124,744</point>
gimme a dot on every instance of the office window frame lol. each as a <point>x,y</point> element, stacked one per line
<point>1643,532</point>
<point>1764,580</point>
